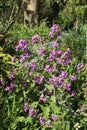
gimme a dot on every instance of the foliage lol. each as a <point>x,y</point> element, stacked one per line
<point>71,11</point>
<point>5,59</point>
<point>46,86</point>
<point>76,40</point>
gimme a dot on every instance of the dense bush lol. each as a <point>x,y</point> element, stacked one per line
<point>46,88</point>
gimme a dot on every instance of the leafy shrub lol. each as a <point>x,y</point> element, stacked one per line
<point>46,89</point>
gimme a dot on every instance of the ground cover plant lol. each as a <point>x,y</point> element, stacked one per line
<point>46,87</point>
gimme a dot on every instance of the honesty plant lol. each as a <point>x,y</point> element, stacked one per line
<point>48,83</point>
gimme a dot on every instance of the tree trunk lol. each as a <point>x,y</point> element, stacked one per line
<point>32,11</point>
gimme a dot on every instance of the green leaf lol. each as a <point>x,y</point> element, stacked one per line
<point>34,104</point>
<point>8,62</point>
<point>13,105</point>
<point>29,119</point>
<point>46,111</point>
<point>67,126</point>
<point>57,126</point>
<point>50,87</point>
<point>21,119</point>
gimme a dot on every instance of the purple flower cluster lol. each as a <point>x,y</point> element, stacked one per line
<point>39,79</point>
<point>40,51</point>
<point>33,112</point>
<point>67,85</point>
<point>56,54</point>
<point>53,54</point>
<point>26,107</point>
<point>10,87</point>
<point>26,56</point>
<point>80,66</point>
<point>22,44</point>
<point>73,93</point>
<point>37,38</point>
<point>54,29</point>
<point>66,57</point>
<point>33,65</point>
<point>51,34</point>
<point>49,68</point>
<point>12,75</point>
<point>64,74</point>
<point>54,80</point>
<point>45,122</point>
<point>42,98</point>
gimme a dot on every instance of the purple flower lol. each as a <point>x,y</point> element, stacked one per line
<point>60,79</point>
<point>39,79</point>
<point>12,75</point>
<point>42,120</point>
<point>59,52</point>
<point>51,34</point>
<point>53,117</point>
<point>25,83</point>
<point>48,123</point>
<point>55,45</point>
<point>73,77</point>
<point>55,28</point>
<point>22,44</point>
<point>67,85</point>
<point>52,55</point>
<point>67,61</point>
<point>50,92</point>
<point>10,87</point>
<point>33,112</point>
<point>66,53</point>
<point>82,108</point>
<point>49,68</point>
<point>27,55</point>
<point>37,38</point>
<point>22,58</point>
<point>33,65</point>
<point>54,79</point>
<point>64,74</point>
<point>13,59</point>
<point>73,93</point>
<point>25,107</point>
<point>59,60</point>
<point>40,51</point>
<point>42,98</point>
<point>26,64</point>
<point>80,66</point>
